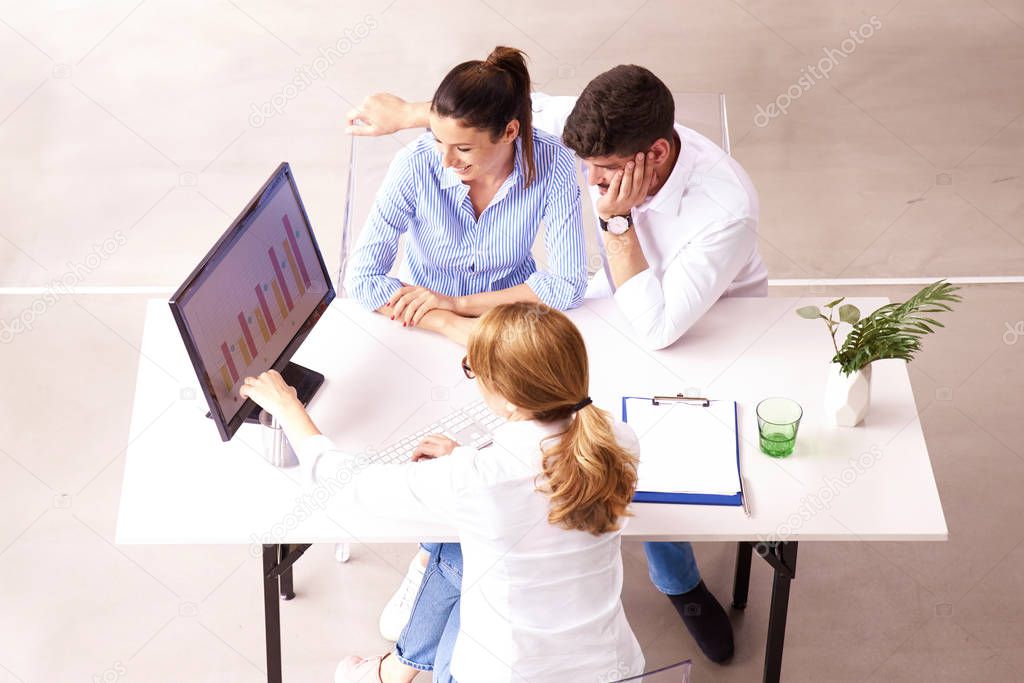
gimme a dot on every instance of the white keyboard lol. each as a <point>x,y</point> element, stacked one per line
<point>471,425</point>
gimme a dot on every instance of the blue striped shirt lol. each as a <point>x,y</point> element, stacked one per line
<point>450,251</point>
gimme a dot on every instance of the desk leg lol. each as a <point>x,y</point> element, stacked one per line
<point>272,612</point>
<point>287,588</point>
<point>277,581</point>
<point>741,580</point>
<point>782,557</point>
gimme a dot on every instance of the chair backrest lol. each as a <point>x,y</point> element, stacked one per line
<point>368,162</point>
<point>369,159</point>
<point>673,673</point>
<point>705,113</point>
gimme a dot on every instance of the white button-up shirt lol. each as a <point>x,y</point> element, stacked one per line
<point>539,603</point>
<point>698,233</point>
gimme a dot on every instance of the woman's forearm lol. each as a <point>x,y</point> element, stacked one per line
<point>451,325</point>
<point>475,305</point>
<point>448,323</point>
<point>296,423</point>
<point>416,114</point>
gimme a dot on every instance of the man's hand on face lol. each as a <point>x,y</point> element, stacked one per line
<point>628,187</point>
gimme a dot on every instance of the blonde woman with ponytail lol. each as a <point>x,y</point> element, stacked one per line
<point>539,515</point>
<point>588,476</point>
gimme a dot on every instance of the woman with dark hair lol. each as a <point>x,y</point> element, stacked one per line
<point>470,195</point>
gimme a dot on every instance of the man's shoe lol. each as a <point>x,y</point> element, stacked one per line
<point>706,621</point>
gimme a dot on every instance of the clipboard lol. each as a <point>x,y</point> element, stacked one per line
<point>639,403</point>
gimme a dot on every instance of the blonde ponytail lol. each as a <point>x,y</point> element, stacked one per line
<point>588,475</point>
<point>534,357</point>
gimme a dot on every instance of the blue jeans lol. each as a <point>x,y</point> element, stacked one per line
<point>428,639</point>
<point>672,567</point>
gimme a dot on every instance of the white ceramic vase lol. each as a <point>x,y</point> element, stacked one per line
<point>847,397</point>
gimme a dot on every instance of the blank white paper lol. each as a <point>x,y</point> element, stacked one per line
<point>686,448</point>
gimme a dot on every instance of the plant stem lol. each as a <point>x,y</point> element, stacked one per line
<point>832,326</point>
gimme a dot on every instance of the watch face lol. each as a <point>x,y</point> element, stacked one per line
<point>618,225</point>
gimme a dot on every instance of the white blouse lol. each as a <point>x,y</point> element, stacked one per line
<point>539,603</point>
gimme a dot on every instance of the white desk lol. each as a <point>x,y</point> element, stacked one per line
<point>183,485</point>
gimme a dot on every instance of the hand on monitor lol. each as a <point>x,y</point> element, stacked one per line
<point>270,392</point>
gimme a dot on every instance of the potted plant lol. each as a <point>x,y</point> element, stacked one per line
<point>892,331</point>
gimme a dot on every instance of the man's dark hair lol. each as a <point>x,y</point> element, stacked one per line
<point>621,112</point>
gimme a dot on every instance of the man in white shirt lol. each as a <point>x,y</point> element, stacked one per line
<point>679,215</point>
<point>678,220</point>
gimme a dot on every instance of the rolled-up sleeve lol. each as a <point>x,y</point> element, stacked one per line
<point>563,284</point>
<point>661,311</point>
<point>429,489</point>
<point>367,276</point>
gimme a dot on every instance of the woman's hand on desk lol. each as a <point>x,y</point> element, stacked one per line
<point>409,304</point>
<point>450,324</point>
<point>433,446</point>
<point>270,392</point>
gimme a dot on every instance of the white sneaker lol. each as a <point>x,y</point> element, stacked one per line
<point>399,608</point>
<point>358,670</point>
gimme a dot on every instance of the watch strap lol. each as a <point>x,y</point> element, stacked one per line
<point>627,216</point>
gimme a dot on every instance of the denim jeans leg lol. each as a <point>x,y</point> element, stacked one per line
<point>437,597</point>
<point>446,646</point>
<point>672,567</point>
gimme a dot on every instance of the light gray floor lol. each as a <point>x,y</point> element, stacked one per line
<point>134,121</point>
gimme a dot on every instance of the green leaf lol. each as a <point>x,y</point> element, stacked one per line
<point>894,330</point>
<point>849,313</point>
<point>809,312</point>
<point>833,303</point>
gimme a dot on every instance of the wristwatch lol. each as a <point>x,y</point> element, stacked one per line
<point>617,225</point>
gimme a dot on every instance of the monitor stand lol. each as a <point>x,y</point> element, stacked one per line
<point>305,381</point>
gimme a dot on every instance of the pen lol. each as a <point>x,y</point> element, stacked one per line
<point>746,504</point>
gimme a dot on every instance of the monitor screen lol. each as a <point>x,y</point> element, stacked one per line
<point>252,300</point>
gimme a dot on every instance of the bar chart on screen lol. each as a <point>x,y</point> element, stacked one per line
<point>246,312</point>
<point>284,279</point>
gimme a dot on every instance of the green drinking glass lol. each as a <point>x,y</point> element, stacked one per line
<point>777,422</point>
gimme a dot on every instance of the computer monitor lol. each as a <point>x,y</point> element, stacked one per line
<point>252,300</point>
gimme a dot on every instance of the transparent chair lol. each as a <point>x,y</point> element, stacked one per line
<point>673,673</point>
<point>368,162</point>
<point>705,113</point>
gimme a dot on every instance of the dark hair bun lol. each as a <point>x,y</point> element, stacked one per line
<point>488,94</point>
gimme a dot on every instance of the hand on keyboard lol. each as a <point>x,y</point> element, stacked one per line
<point>471,425</point>
<point>433,446</point>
